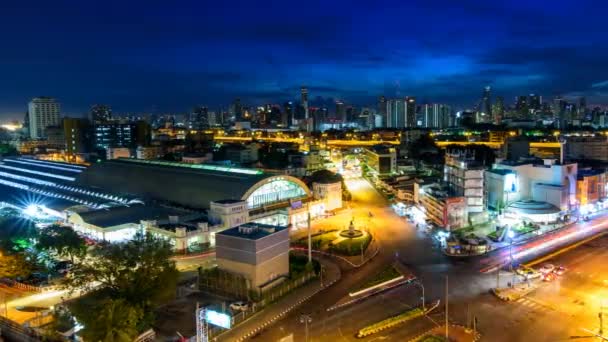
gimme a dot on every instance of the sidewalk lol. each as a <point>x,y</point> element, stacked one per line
<point>283,306</point>
<point>515,292</point>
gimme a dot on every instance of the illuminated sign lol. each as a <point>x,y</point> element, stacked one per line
<point>217,318</point>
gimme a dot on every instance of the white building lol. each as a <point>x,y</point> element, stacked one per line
<point>465,178</point>
<point>549,182</point>
<point>43,112</point>
<point>330,192</point>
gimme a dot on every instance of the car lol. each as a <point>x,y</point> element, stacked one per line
<point>547,268</point>
<point>527,272</point>
<point>239,306</point>
<point>549,277</point>
<point>559,270</point>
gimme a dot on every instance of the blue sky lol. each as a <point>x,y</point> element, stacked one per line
<point>167,56</point>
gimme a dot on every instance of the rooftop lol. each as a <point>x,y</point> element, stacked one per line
<point>252,231</point>
<point>115,216</point>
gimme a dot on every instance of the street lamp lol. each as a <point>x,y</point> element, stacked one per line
<point>417,282</point>
<point>306,319</point>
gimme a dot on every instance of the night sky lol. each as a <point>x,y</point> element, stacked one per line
<point>157,56</point>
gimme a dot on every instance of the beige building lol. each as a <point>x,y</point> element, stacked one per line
<point>260,253</point>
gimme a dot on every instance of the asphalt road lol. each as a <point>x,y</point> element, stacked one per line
<point>398,239</point>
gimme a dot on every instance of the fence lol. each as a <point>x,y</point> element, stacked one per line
<point>25,287</point>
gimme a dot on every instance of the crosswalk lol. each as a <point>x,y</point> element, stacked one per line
<point>533,305</point>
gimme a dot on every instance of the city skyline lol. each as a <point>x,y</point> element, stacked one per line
<point>158,59</point>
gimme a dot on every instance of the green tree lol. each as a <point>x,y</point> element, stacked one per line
<point>16,234</point>
<point>108,320</point>
<point>14,266</point>
<point>139,271</point>
<point>63,241</point>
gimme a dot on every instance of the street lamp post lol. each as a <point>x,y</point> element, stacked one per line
<point>306,319</point>
<point>422,288</point>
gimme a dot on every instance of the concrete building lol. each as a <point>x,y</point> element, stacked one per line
<point>329,192</point>
<point>260,253</point>
<point>148,152</point>
<point>550,182</point>
<point>380,160</point>
<point>117,153</point>
<point>443,210</point>
<point>464,178</point>
<point>591,147</point>
<point>228,213</point>
<point>197,158</point>
<point>591,187</point>
<point>242,154</point>
<point>43,112</point>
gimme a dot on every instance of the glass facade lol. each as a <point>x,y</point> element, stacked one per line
<point>274,191</point>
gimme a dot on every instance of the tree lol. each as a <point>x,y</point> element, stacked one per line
<point>16,234</point>
<point>14,266</point>
<point>424,149</point>
<point>139,271</point>
<point>108,320</point>
<point>63,241</point>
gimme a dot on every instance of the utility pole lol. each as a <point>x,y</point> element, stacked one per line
<point>447,338</point>
<point>309,234</point>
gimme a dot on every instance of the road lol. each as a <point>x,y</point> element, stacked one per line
<point>468,291</point>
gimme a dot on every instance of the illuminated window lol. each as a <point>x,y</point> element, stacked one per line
<point>275,191</point>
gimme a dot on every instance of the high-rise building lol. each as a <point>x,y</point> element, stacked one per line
<point>534,102</point>
<point>522,106</point>
<point>77,135</point>
<point>498,109</point>
<point>410,112</point>
<point>43,112</point>
<point>341,111</point>
<point>382,106</point>
<point>401,113</point>
<point>199,118</point>
<point>582,108</point>
<point>435,115</point>
<point>304,101</point>
<point>486,103</point>
<point>236,110</point>
<point>122,134</point>
<point>559,112</point>
<point>395,113</point>
<point>101,113</point>
<point>287,118</point>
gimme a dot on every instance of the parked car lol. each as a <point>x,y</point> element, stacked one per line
<point>547,268</point>
<point>559,270</point>
<point>239,306</point>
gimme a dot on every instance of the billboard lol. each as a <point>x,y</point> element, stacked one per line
<point>217,318</point>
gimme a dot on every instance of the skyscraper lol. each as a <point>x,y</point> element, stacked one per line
<point>101,113</point>
<point>410,112</point>
<point>559,112</point>
<point>341,111</point>
<point>498,109</point>
<point>199,118</point>
<point>42,112</point>
<point>534,101</point>
<point>435,115</point>
<point>522,106</point>
<point>304,101</point>
<point>287,118</point>
<point>582,108</point>
<point>401,113</point>
<point>236,110</point>
<point>486,103</point>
